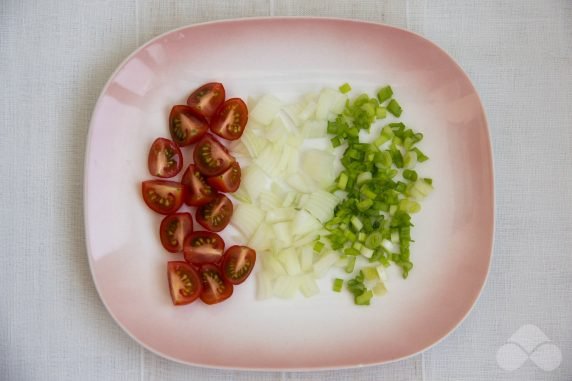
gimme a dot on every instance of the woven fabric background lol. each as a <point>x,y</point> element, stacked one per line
<point>55,57</point>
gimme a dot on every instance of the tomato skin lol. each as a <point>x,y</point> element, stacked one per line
<point>230,119</point>
<point>173,231</point>
<point>184,282</point>
<point>215,288</point>
<point>186,126</point>
<point>203,247</point>
<point>211,157</point>
<point>163,196</point>
<point>237,263</point>
<point>215,215</point>
<point>199,192</point>
<point>228,181</point>
<point>165,158</point>
<point>206,99</point>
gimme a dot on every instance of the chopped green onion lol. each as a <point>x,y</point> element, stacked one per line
<point>336,142</point>
<point>345,88</point>
<point>370,273</point>
<point>338,284</point>
<point>343,181</point>
<point>351,264</point>
<point>421,157</point>
<point>356,223</point>
<point>364,299</point>
<point>373,240</point>
<point>379,289</point>
<point>318,246</point>
<point>394,108</point>
<point>364,176</point>
<point>384,94</point>
<point>351,251</point>
<point>410,175</point>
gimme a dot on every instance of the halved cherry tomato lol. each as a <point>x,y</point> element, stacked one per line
<point>198,191</point>
<point>228,181</point>
<point>185,126</point>
<point>184,282</point>
<point>230,119</point>
<point>162,196</point>
<point>237,263</point>
<point>211,157</point>
<point>203,247</point>
<point>215,287</point>
<point>215,215</point>
<point>173,231</point>
<point>206,99</point>
<point>165,158</point>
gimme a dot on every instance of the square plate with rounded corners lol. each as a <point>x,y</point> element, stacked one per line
<point>289,57</point>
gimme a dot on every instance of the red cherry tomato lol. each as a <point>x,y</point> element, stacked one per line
<point>206,99</point>
<point>162,196</point>
<point>185,126</point>
<point>215,215</point>
<point>230,119</point>
<point>215,287</point>
<point>184,282</point>
<point>211,157</point>
<point>173,231</point>
<point>237,264</point>
<point>203,247</point>
<point>228,181</point>
<point>165,158</point>
<point>198,191</point>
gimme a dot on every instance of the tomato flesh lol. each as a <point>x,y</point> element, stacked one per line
<point>206,99</point>
<point>199,192</point>
<point>203,247</point>
<point>184,282</point>
<point>211,157</point>
<point>173,231</point>
<point>230,119</point>
<point>185,126</point>
<point>237,264</point>
<point>165,158</point>
<point>228,181</point>
<point>163,196</point>
<point>215,215</point>
<point>215,288</point>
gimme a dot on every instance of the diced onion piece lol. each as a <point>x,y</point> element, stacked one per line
<point>305,240</point>
<point>314,128</point>
<point>277,130</point>
<point>326,102</point>
<point>289,199</point>
<point>238,148</point>
<point>266,109</point>
<point>268,159</point>
<point>286,287</point>
<point>289,258</point>
<point>324,264</point>
<point>282,232</point>
<point>262,238</point>
<point>280,215</point>
<point>308,286</point>
<point>272,265</point>
<point>301,183</point>
<point>253,143</point>
<point>246,218</point>
<point>242,195</point>
<point>269,200</point>
<point>253,180</point>
<point>319,166</point>
<point>306,258</point>
<point>307,111</point>
<point>321,205</point>
<point>304,223</point>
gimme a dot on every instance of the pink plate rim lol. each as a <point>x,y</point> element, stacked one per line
<point>278,18</point>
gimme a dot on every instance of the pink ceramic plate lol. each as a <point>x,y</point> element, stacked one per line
<point>289,56</point>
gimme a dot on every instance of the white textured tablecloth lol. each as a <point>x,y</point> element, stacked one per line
<point>55,57</point>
